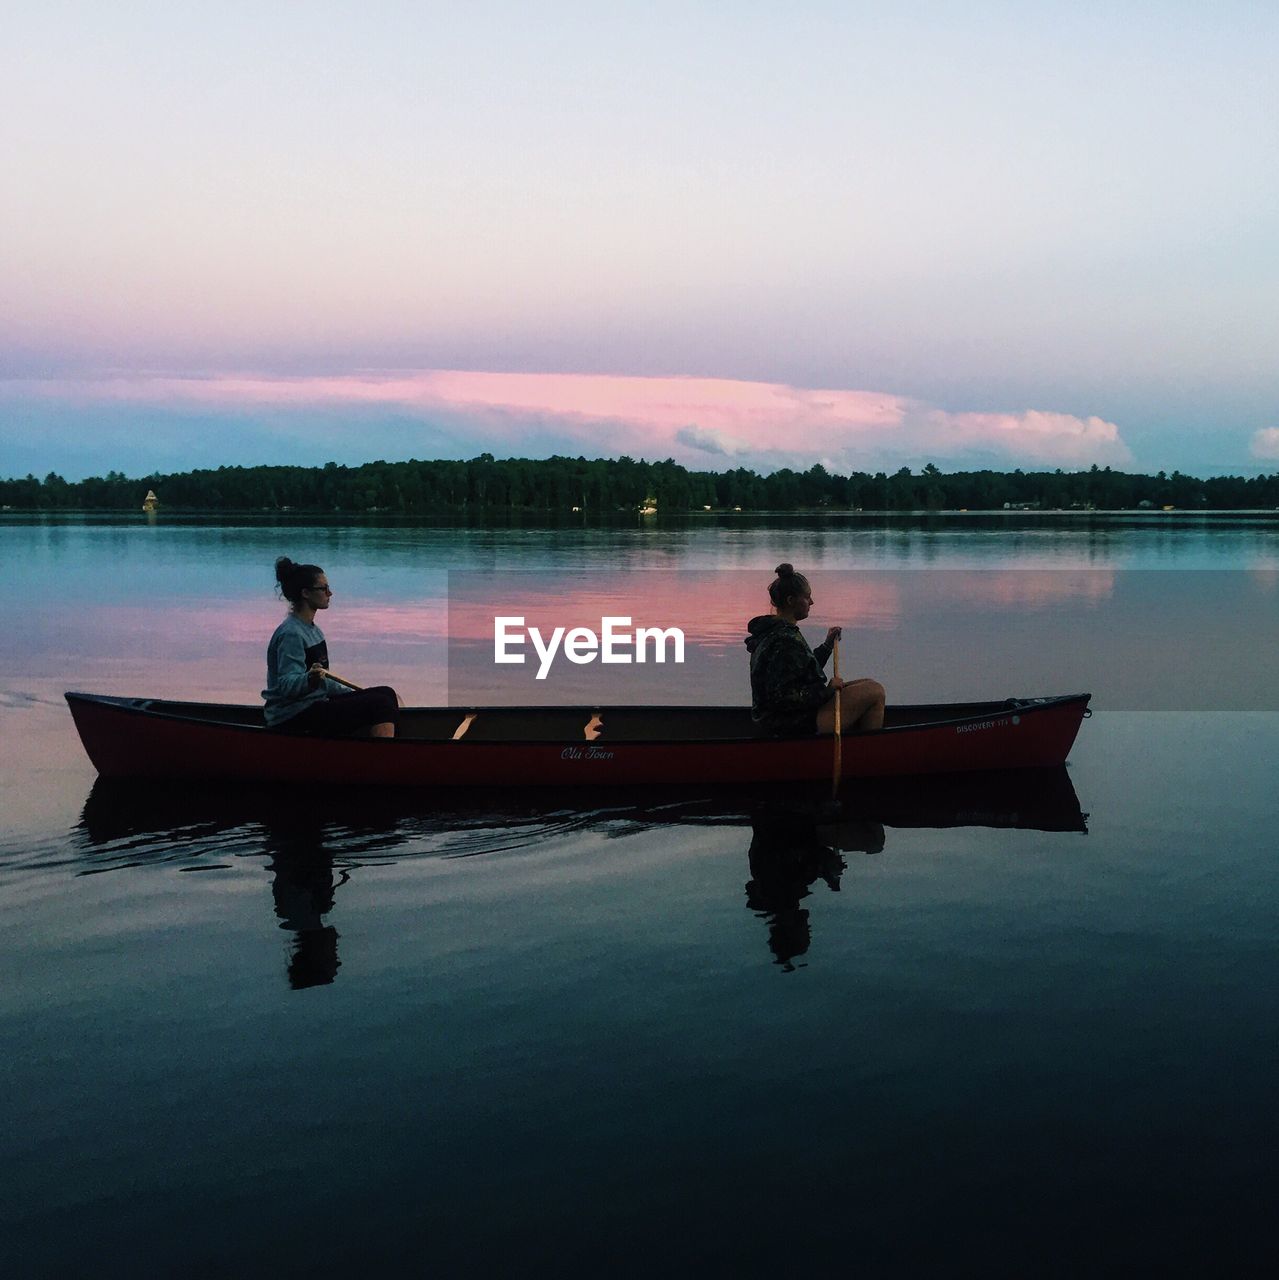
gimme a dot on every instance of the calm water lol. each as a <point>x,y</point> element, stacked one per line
<point>984,1027</point>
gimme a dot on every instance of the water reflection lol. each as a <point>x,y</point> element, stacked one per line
<point>314,841</point>
<point>794,845</point>
<point>787,858</point>
<point>1022,799</point>
<point>1130,637</point>
<point>303,889</point>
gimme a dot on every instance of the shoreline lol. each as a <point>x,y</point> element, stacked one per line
<point>537,514</point>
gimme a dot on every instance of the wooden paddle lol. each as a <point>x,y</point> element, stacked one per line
<point>337,679</point>
<point>359,688</point>
<point>839,728</point>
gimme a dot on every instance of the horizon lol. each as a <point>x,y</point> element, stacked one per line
<point>997,238</point>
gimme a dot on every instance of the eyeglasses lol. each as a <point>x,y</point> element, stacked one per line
<point>328,591</point>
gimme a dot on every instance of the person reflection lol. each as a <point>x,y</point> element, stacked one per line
<point>303,888</point>
<point>788,855</point>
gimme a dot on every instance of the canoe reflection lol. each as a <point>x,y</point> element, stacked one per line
<point>315,839</point>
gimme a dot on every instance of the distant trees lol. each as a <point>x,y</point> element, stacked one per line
<point>605,486</point>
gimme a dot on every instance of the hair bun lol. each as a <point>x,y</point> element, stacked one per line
<point>784,570</point>
<point>283,567</point>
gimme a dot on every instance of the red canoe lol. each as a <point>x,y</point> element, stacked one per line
<point>565,746</point>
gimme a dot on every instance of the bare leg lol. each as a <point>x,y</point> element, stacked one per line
<point>862,708</point>
<point>384,730</point>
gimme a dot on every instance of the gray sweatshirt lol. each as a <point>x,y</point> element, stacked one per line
<point>295,647</point>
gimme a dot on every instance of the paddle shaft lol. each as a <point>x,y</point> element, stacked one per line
<point>839,726</point>
<point>329,675</point>
<point>359,688</point>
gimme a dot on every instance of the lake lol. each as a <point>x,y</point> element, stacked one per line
<point>989,1027</point>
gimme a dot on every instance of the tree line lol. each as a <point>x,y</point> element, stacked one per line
<point>608,486</point>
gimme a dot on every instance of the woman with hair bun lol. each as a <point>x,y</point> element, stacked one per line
<point>299,694</point>
<point>790,695</point>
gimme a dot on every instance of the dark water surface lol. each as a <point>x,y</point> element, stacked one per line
<point>995,1025</point>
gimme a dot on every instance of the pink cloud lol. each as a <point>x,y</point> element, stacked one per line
<point>1265,443</point>
<point>699,421</point>
<point>1047,437</point>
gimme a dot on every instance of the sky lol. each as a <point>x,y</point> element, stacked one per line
<point>869,235</point>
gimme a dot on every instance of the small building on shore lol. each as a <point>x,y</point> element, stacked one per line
<point>150,502</point>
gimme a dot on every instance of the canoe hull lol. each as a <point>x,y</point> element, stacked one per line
<point>132,738</point>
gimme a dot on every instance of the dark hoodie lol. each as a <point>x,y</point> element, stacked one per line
<point>787,685</point>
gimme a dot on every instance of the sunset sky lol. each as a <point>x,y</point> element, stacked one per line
<point>872,235</point>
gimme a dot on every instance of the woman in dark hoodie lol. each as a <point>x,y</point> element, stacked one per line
<point>790,697</point>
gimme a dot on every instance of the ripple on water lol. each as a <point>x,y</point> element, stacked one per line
<point>129,827</point>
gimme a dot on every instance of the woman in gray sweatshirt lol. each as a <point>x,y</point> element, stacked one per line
<point>299,694</point>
